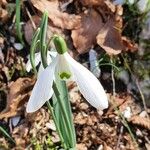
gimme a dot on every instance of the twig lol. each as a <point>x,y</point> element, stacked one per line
<point>32,22</point>
<point>119,138</point>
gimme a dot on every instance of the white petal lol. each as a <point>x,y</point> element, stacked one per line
<point>41,69</point>
<point>37,60</point>
<point>52,53</point>
<point>50,56</point>
<point>42,90</point>
<point>88,84</point>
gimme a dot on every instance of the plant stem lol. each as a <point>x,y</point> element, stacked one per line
<point>55,121</point>
<point>137,84</point>
<point>6,134</point>
<point>57,94</point>
<point>118,111</point>
<point>18,25</point>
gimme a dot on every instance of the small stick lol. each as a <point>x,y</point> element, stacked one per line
<point>32,22</point>
<point>119,138</point>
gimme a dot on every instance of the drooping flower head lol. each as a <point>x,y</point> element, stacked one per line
<point>64,67</point>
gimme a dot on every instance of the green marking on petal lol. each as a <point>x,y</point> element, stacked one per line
<point>65,75</point>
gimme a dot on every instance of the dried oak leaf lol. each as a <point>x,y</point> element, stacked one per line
<point>109,38</point>
<point>141,121</point>
<point>3,14</point>
<point>3,11</point>
<point>85,36</point>
<point>91,2</point>
<point>18,94</point>
<point>130,46</point>
<point>31,25</point>
<point>59,19</point>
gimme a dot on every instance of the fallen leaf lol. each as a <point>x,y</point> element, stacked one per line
<point>3,11</point>
<point>109,38</point>
<point>29,29</point>
<point>129,45</point>
<point>141,121</point>
<point>85,36</point>
<point>92,2</point>
<point>110,6</point>
<point>18,94</point>
<point>3,14</point>
<point>106,147</point>
<point>81,146</point>
<point>59,19</point>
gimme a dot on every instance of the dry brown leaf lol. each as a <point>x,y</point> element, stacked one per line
<point>85,37</point>
<point>129,45</point>
<point>19,92</point>
<point>59,19</point>
<point>109,38</point>
<point>3,14</point>
<point>92,2</point>
<point>141,121</point>
<point>122,101</point>
<point>106,147</point>
<point>29,29</point>
<point>81,146</point>
<point>110,5</point>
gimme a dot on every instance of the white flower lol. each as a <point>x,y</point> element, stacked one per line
<point>64,66</point>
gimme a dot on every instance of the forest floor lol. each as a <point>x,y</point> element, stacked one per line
<point>120,41</point>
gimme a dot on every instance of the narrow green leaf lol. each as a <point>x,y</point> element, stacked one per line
<point>33,48</point>
<point>61,85</point>
<point>6,134</point>
<point>18,25</point>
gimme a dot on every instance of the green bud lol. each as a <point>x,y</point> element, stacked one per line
<point>60,44</point>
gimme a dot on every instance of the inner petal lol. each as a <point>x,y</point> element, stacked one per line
<point>63,70</point>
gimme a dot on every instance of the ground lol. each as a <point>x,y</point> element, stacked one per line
<point>115,33</point>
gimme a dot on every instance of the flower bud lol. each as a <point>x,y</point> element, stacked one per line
<point>60,44</point>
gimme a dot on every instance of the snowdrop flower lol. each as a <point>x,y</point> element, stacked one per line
<point>65,67</point>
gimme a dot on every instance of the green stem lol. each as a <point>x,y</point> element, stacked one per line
<point>117,110</point>
<point>33,48</point>
<point>43,38</point>
<point>57,94</point>
<point>18,26</point>
<point>55,121</point>
<point>7,135</point>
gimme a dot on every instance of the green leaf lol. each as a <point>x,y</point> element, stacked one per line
<point>61,85</point>
<point>18,25</point>
<point>6,134</point>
